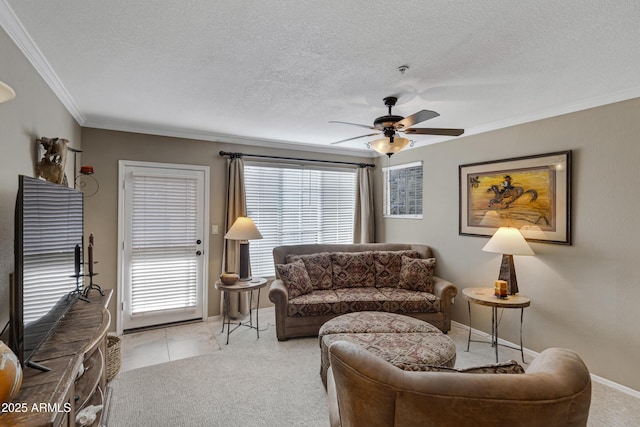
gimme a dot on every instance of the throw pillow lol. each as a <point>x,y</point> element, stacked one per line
<point>388,265</point>
<point>416,274</point>
<point>353,269</point>
<point>295,278</point>
<point>509,367</point>
<point>318,267</point>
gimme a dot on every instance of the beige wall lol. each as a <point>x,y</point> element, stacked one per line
<point>585,296</point>
<point>102,149</point>
<point>34,113</point>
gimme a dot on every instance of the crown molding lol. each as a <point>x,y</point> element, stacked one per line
<point>225,138</point>
<point>594,102</point>
<point>16,31</point>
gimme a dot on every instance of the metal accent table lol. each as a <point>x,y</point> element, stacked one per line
<point>257,283</point>
<point>485,296</point>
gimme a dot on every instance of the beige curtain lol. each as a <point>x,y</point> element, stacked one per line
<point>236,207</point>
<point>364,222</point>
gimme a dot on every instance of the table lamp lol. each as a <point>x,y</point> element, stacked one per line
<point>243,229</point>
<point>509,242</point>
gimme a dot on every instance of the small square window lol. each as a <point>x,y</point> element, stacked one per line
<point>403,191</point>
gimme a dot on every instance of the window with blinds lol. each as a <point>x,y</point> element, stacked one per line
<point>163,264</point>
<point>295,205</point>
<point>403,190</point>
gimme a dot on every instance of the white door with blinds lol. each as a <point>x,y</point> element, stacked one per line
<point>162,259</point>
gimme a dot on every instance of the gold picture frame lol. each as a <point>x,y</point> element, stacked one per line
<point>531,193</point>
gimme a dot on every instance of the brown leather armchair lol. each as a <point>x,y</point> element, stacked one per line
<point>365,390</point>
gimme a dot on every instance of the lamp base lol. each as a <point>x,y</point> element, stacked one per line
<point>508,273</point>
<point>244,261</point>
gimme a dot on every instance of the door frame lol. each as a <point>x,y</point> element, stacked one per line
<point>122,165</point>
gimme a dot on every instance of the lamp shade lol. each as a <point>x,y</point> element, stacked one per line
<point>6,93</point>
<point>385,146</point>
<point>508,240</point>
<point>243,229</point>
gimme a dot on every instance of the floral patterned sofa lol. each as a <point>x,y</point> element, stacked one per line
<point>315,283</point>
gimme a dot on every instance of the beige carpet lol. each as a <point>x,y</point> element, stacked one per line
<point>269,383</point>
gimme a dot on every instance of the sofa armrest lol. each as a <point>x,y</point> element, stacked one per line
<point>279,296</point>
<point>444,289</point>
<point>278,293</point>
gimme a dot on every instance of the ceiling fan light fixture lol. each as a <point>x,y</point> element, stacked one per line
<point>386,146</point>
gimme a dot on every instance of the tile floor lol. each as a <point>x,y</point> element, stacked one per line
<point>146,348</point>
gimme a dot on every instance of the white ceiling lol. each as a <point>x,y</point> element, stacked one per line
<point>272,72</point>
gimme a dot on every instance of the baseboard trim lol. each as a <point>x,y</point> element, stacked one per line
<point>533,354</point>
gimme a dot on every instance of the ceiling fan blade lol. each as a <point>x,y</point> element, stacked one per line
<point>434,131</point>
<point>418,117</point>
<point>356,137</point>
<point>353,124</point>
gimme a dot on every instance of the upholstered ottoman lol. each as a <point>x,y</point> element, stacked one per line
<point>408,343</point>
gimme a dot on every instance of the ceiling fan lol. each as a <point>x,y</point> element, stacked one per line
<point>391,125</point>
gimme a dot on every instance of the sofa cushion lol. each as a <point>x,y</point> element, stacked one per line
<point>403,301</point>
<point>388,265</point>
<point>316,303</point>
<point>318,267</point>
<point>353,269</point>
<point>417,274</point>
<point>361,299</point>
<point>295,278</point>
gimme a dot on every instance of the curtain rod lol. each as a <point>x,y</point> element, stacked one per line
<point>240,155</point>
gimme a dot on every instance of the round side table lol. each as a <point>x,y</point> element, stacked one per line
<point>485,296</point>
<point>257,283</point>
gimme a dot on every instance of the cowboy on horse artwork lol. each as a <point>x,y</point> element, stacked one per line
<point>507,193</point>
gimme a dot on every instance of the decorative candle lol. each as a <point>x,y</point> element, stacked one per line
<point>90,257</point>
<point>501,288</point>
<point>77,260</point>
<point>91,238</point>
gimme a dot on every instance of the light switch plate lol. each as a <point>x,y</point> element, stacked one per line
<point>214,229</point>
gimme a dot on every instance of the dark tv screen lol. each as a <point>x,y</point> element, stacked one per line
<point>48,257</point>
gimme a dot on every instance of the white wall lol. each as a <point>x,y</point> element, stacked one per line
<point>585,296</point>
<point>34,113</point>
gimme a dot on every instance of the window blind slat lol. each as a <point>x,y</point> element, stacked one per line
<point>297,205</point>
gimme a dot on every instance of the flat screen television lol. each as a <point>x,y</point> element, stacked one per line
<point>48,262</point>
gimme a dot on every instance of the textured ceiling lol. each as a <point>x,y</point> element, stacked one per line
<point>279,71</point>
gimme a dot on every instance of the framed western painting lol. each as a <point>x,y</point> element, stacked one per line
<point>531,193</point>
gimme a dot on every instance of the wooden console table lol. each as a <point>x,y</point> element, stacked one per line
<point>78,343</point>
